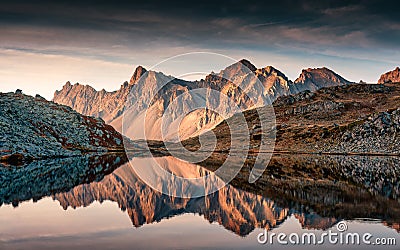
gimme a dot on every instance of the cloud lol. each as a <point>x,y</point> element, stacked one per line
<point>202,22</point>
<point>103,36</point>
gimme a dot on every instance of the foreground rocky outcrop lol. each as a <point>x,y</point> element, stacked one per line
<point>239,81</point>
<point>34,128</point>
<point>390,77</point>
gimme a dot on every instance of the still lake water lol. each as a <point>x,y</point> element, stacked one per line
<point>99,202</point>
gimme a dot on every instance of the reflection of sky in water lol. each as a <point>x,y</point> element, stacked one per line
<point>45,225</point>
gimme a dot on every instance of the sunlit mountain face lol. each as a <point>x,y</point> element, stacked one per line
<point>175,109</point>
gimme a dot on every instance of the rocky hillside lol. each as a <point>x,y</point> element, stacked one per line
<point>33,128</point>
<point>390,77</point>
<point>356,118</point>
<point>359,118</point>
<point>262,85</point>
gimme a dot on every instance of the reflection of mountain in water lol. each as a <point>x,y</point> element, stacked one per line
<point>237,210</point>
<point>318,204</point>
<point>318,191</point>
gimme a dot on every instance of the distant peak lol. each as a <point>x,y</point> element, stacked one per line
<point>321,77</point>
<point>139,71</point>
<point>270,69</point>
<point>390,77</point>
<point>317,69</point>
<point>239,68</point>
<point>248,64</point>
<point>67,85</point>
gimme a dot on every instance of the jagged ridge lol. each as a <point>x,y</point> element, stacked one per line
<point>262,85</point>
<point>390,77</point>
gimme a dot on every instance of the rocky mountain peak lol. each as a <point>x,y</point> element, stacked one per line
<point>391,76</point>
<point>266,83</point>
<point>316,78</point>
<point>238,69</point>
<point>248,64</point>
<point>311,72</point>
<point>139,71</point>
<point>270,70</point>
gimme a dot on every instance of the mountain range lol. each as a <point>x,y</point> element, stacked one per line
<point>318,112</point>
<point>248,86</point>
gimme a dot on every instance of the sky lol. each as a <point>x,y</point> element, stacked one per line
<point>44,44</point>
